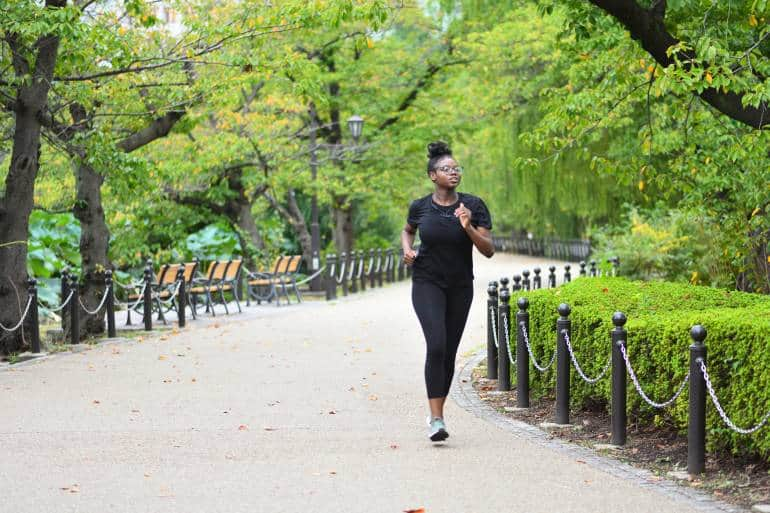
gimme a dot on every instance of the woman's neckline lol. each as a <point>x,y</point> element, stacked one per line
<point>433,200</point>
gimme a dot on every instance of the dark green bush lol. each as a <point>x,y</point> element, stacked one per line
<point>660,317</point>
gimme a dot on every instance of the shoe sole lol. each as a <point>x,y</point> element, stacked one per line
<point>439,436</point>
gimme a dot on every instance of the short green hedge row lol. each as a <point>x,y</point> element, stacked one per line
<point>660,316</point>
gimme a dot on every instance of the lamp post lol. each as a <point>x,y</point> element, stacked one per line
<point>356,126</point>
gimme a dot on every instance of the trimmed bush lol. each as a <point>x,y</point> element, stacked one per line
<point>660,317</point>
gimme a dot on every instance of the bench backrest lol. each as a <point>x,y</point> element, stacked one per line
<point>294,262</point>
<point>168,274</point>
<point>189,271</point>
<point>233,268</point>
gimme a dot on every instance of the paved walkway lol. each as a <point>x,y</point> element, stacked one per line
<point>312,408</point>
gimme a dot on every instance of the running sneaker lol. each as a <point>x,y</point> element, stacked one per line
<point>437,430</point>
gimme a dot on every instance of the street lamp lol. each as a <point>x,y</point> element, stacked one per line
<point>356,126</point>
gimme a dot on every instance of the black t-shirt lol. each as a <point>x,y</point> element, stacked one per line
<point>445,256</point>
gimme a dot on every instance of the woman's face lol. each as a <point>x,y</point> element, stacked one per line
<point>446,173</point>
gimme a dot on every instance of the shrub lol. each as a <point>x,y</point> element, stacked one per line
<point>660,317</point>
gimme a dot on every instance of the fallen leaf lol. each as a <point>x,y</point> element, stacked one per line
<point>373,397</point>
<point>194,380</point>
<point>271,429</point>
<point>96,401</point>
<point>580,461</point>
<point>332,412</point>
<point>161,357</point>
<point>352,389</point>
<point>394,446</point>
<point>333,472</point>
<point>164,337</point>
<point>75,488</point>
<point>147,474</point>
<point>243,427</point>
<point>418,510</point>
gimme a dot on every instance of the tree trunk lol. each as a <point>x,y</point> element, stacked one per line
<point>248,233</point>
<point>300,227</point>
<point>16,203</point>
<point>15,209</point>
<point>94,246</point>
<point>344,239</point>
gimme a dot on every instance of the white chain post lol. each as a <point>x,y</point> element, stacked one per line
<point>639,387</point>
<point>577,366</point>
<point>508,341</point>
<point>21,321</point>
<point>492,316</point>
<point>101,304</point>
<point>63,305</point>
<point>718,406</point>
<point>532,356</point>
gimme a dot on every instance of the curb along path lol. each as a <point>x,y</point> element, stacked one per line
<point>315,407</point>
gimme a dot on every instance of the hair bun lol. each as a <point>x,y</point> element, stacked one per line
<point>438,149</point>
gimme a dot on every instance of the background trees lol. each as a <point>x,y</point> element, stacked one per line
<point>175,129</point>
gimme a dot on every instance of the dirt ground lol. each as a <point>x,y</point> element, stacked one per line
<point>660,449</point>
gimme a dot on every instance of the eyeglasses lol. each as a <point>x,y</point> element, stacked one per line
<point>447,170</point>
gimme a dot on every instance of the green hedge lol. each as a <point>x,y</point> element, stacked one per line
<point>660,316</point>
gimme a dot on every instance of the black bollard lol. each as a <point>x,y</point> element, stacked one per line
<point>343,272</point>
<point>34,318</point>
<point>552,277</point>
<point>619,338</point>
<point>74,310</point>
<point>562,365</point>
<point>537,281</point>
<point>148,296</point>
<point>372,274</point>
<point>567,275</point>
<point>391,268</point>
<point>615,265</point>
<point>491,330</point>
<point>503,320</point>
<point>331,277</point>
<point>696,429</point>
<point>400,265</point>
<point>593,269</point>
<point>379,267</point>
<point>352,272</point>
<point>360,265</point>
<point>516,283</point>
<point>526,284</point>
<point>65,291</point>
<point>181,303</point>
<point>582,268</point>
<point>522,359</point>
<point>111,331</point>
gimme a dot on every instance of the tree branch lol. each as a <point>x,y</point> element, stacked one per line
<point>422,83</point>
<point>647,26</point>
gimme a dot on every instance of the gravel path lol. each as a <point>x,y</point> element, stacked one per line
<point>318,407</point>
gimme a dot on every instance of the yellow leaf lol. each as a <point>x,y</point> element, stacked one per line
<point>369,42</point>
<point>709,78</point>
<point>641,185</point>
<point>642,63</point>
<point>756,211</point>
<point>753,20</point>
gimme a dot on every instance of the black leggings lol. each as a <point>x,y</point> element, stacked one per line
<point>442,313</point>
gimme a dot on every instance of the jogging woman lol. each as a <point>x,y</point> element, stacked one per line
<point>450,223</point>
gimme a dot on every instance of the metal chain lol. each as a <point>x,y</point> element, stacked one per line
<point>101,304</point>
<point>508,341</point>
<point>577,366</point>
<point>21,321</point>
<point>138,300</point>
<point>63,305</point>
<point>639,387</point>
<point>494,325</point>
<point>172,298</point>
<point>721,411</point>
<point>529,350</point>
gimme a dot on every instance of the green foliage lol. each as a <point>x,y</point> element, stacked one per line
<point>660,244</point>
<point>214,242</point>
<point>660,317</point>
<point>54,243</point>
